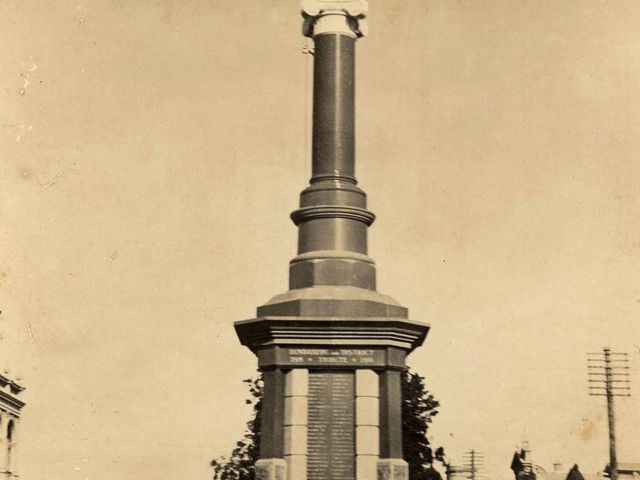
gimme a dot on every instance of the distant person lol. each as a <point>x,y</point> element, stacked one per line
<point>574,473</point>
<point>522,469</point>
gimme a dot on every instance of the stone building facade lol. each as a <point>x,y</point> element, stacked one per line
<point>10,408</point>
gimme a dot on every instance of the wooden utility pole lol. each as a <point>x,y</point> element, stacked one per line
<point>474,461</point>
<point>609,377</point>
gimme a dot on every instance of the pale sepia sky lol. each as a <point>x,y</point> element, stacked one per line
<point>153,149</point>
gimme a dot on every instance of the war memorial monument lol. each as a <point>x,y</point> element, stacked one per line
<point>332,349</point>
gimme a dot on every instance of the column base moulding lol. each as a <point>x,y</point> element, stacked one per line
<point>393,469</point>
<point>271,469</point>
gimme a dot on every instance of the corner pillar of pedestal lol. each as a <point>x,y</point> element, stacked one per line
<point>271,465</point>
<point>367,424</point>
<point>391,465</point>
<point>295,422</point>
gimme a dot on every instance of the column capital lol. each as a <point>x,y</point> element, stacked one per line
<point>334,16</point>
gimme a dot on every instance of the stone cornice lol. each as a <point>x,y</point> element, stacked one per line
<point>393,332</point>
<point>334,254</point>
<point>15,386</point>
<point>333,211</point>
<point>11,401</point>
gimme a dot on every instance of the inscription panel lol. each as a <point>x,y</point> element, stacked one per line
<point>331,430</point>
<point>330,357</point>
<point>347,357</point>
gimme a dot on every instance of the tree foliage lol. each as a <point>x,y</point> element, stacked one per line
<point>240,465</point>
<point>418,409</point>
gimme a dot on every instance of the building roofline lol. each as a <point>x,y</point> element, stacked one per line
<point>15,386</point>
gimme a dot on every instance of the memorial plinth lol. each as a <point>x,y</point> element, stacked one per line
<point>332,348</point>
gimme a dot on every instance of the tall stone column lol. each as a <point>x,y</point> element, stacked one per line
<point>333,218</point>
<point>332,348</point>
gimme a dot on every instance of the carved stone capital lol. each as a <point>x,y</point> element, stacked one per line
<point>334,16</point>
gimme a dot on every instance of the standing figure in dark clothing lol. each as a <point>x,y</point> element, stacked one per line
<point>574,473</point>
<point>521,466</point>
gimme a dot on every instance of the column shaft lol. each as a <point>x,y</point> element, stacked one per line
<point>334,107</point>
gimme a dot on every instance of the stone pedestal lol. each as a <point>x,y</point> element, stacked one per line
<point>331,412</point>
<point>337,422</point>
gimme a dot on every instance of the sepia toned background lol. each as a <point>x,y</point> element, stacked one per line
<point>151,151</point>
